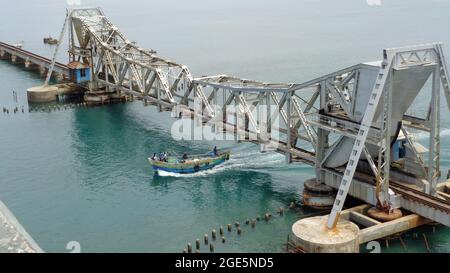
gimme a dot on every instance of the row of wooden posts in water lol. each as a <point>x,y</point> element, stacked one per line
<point>43,108</point>
<point>229,227</point>
<point>290,246</point>
<point>15,110</point>
<point>56,107</point>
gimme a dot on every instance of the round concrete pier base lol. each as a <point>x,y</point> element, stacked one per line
<point>42,93</point>
<point>313,236</point>
<point>317,195</point>
<point>383,216</point>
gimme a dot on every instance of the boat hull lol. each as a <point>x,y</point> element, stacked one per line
<point>193,166</point>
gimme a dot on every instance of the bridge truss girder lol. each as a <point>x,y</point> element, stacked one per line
<point>309,112</point>
<point>121,65</point>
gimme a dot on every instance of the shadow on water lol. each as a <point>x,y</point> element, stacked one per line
<point>112,145</point>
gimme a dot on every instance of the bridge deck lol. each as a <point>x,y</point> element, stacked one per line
<point>34,58</point>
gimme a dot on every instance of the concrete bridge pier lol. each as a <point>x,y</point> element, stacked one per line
<point>317,195</point>
<point>31,66</point>
<point>42,71</point>
<point>312,236</point>
<point>354,228</point>
<point>50,93</point>
<point>4,55</point>
<point>17,60</point>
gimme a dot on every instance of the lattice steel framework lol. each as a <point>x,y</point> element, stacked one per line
<point>310,112</point>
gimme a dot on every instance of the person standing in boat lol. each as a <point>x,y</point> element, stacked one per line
<point>215,150</point>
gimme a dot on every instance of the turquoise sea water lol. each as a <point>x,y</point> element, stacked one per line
<point>82,174</point>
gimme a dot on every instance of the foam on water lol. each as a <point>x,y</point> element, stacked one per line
<point>246,159</point>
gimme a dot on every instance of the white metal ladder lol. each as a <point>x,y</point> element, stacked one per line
<point>360,140</point>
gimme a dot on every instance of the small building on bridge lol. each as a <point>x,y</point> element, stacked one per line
<point>79,72</point>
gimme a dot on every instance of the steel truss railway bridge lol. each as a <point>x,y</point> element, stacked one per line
<point>344,124</point>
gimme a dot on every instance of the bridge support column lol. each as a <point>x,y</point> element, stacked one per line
<point>31,66</point>
<point>4,55</point>
<point>317,195</point>
<point>42,71</point>
<point>288,158</point>
<point>16,60</point>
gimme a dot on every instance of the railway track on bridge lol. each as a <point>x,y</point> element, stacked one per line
<point>421,197</point>
<point>34,58</point>
<point>409,193</point>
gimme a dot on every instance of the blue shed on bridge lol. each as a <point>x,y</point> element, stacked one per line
<point>79,72</point>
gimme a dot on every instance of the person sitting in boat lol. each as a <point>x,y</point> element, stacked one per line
<point>161,157</point>
<point>154,157</point>
<point>183,158</point>
<point>214,152</point>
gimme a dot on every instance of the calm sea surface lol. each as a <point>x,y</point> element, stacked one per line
<point>82,174</point>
